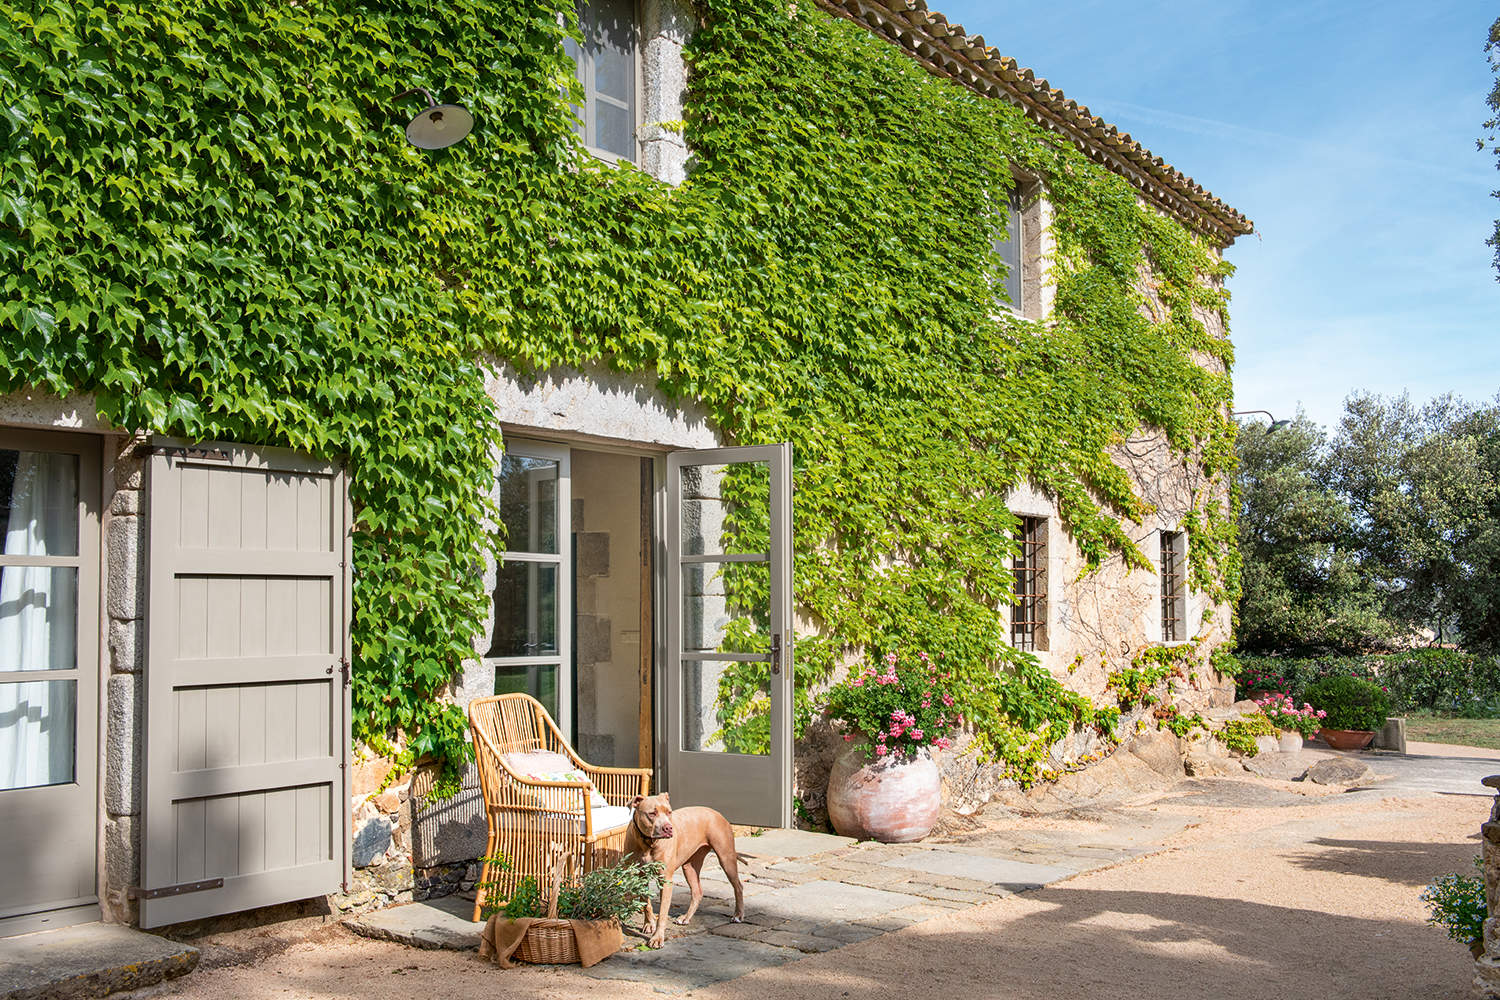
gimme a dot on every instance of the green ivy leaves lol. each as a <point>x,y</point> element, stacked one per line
<point>209,220</point>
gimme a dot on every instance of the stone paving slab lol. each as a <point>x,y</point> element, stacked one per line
<point>789,844</point>
<point>990,870</point>
<point>824,902</point>
<point>690,963</point>
<point>88,960</point>
<point>436,924</point>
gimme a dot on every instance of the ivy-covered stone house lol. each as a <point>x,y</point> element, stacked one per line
<point>790,334</point>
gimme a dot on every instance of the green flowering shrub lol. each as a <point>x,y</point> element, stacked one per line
<point>1349,703</point>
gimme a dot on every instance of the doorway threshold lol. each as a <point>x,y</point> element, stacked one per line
<point>88,960</point>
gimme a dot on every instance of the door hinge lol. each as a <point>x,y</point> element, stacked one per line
<point>343,668</point>
<point>136,892</point>
<point>189,452</point>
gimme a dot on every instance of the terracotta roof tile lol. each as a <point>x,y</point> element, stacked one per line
<point>947,50</point>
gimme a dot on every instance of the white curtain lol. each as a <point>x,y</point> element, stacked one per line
<point>38,624</point>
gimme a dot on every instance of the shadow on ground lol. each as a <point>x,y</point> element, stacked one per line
<point>1101,944</point>
<point>1400,863</point>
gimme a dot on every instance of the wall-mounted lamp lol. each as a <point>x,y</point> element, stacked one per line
<point>1276,425</point>
<point>440,126</point>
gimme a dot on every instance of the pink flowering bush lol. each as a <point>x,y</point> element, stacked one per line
<point>900,706</point>
<point>1285,714</point>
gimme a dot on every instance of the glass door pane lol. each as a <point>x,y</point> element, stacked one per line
<point>37,724</point>
<point>531,638</point>
<point>729,667</point>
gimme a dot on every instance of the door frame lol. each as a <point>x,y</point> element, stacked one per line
<point>89,705</point>
<point>560,453</point>
<point>783,750</point>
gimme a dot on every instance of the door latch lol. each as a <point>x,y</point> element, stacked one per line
<point>775,653</point>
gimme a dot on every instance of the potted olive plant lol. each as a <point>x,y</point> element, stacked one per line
<point>885,785</point>
<point>1354,710</point>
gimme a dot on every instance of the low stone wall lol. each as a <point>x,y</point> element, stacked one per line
<point>1487,965</point>
<point>969,782</point>
<point>390,866</point>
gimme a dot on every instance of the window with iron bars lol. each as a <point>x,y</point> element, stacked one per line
<point>1173,586</point>
<point>1028,615</point>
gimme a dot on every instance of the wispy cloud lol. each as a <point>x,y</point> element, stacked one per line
<point>1373,151</point>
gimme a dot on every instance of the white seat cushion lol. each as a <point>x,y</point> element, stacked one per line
<point>544,765</point>
<point>609,817</point>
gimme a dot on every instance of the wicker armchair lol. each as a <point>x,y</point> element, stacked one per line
<point>527,816</point>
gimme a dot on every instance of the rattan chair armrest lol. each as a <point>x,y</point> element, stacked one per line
<point>595,769</point>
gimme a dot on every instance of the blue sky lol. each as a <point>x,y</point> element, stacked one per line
<point>1346,132</point>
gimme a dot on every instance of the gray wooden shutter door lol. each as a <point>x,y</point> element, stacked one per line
<point>247,713</point>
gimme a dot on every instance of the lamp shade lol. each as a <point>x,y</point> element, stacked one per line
<point>439,126</point>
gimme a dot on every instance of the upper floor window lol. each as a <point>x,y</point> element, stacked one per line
<point>1009,249</point>
<point>1028,615</point>
<point>1173,586</point>
<point>607,71</point>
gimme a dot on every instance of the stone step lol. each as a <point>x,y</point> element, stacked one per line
<point>437,924</point>
<point>88,960</point>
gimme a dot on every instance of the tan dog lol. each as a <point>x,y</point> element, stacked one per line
<point>681,839</point>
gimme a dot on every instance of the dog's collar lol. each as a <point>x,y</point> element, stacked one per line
<point>635,821</point>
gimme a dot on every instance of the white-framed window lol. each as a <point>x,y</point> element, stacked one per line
<point>609,72</point>
<point>1174,625</point>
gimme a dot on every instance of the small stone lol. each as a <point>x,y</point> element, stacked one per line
<point>1338,771</point>
<point>737,930</point>
<point>370,841</point>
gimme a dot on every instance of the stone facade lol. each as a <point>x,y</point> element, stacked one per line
<point>406,846</point>
<point>123,533</point>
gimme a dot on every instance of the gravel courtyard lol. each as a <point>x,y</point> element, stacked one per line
<point>1253,887</point>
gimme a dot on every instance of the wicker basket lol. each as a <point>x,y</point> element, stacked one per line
<point>550,941</point>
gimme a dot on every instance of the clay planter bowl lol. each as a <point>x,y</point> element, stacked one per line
<point>1347,739</point>
<point>891,801</point>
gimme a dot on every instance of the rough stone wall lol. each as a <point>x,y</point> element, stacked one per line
<point>123,533</point>
<point>1487,964</point>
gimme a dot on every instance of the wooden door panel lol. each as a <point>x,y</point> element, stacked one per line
<point>247,701</point>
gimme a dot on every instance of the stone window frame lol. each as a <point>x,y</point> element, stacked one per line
<point>1035,252</point>
<point>1041,575</point>
<point>1025,500</point>
<point>1183,607</point>
<point>663,28</point>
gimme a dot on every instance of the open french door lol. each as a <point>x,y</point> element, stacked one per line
<point>729,632</point>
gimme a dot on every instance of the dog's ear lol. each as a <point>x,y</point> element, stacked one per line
<point>665,800</point>
<point>637,801</point>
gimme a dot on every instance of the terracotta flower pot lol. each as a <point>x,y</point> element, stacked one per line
<point>1347,739</point>
<point>891,801</point>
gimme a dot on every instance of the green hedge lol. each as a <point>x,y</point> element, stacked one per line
<point>1349,702</point>
<point>1436,680</point>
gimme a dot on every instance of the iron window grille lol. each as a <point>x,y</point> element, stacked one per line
<point>1173,589</point>
<point>1028,616</point>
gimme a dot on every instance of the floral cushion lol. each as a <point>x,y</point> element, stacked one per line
<point>544,765</point>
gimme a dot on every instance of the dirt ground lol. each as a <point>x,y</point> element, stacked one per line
<point>1269,893</point>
